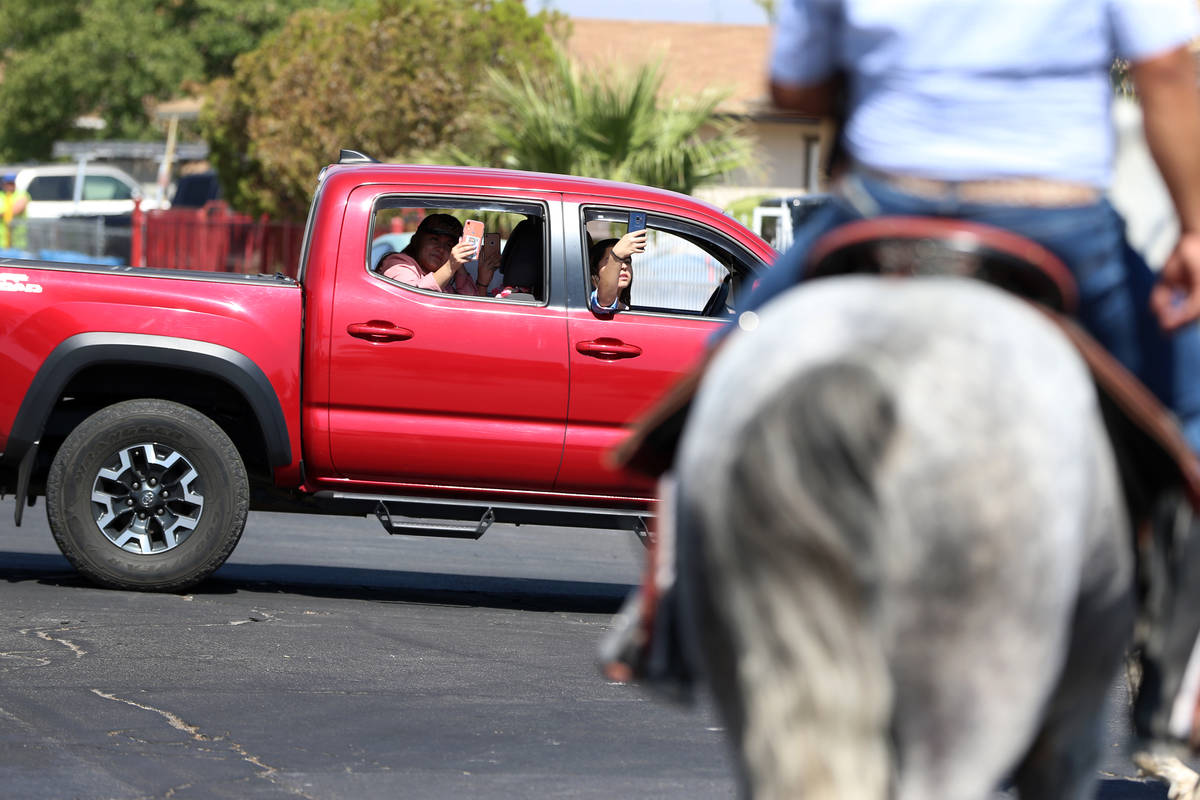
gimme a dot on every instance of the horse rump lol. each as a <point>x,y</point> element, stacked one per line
<point>800,500</point>
<point>903,558</point>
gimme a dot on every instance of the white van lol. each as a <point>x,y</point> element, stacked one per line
<point>106,190</point>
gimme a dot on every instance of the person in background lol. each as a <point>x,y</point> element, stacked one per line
<point>610,264</point>
<point>998,112</point>
<point>436,257</point>
<point>14,208</point>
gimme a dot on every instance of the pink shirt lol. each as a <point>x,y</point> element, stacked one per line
<point>404,268</point>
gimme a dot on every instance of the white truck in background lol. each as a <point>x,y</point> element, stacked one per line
<point>777,219</point>
<point>90,189</point>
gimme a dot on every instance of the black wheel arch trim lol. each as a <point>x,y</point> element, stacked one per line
<point>89,349</point>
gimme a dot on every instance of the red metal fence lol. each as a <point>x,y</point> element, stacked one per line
<point>214,238</point>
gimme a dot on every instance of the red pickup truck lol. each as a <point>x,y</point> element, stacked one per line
<point>154,408</point>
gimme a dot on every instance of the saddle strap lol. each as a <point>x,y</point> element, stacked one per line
<point>1162,442</point>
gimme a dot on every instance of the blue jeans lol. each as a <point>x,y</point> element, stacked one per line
<point>1114,281</point>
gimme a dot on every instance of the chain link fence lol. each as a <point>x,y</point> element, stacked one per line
<point>86,240</point>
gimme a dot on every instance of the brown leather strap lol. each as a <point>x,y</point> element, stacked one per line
<point>1137,403</point>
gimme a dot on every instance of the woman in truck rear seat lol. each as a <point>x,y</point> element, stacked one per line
<point>611,265</point>
<point>435,258</point>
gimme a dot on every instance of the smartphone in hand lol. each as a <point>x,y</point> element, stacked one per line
<point>637,221</point>
<point>473,233</point>
<point>491,243</point>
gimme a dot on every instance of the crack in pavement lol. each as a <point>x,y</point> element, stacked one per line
<point>195,733</point>
<point>24,656</point>
<point>172,720</point>
<point>254,616</point>
<point>44,635</point>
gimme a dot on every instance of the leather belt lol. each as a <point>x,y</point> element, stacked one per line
<point>1036,192</point>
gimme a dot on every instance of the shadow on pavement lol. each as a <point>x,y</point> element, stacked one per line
<point>395,586</point>
<point>24,566</point>
<point>374,585</point>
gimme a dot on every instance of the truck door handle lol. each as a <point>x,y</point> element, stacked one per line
<point>608,349</point>
<point>378,330</point>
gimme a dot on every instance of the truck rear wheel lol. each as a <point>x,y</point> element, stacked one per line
<point>147,495</point>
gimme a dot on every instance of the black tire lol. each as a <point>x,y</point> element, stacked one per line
<point>147,495</point>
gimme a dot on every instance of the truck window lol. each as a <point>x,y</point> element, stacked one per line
<point>105,187</point>
<point>51,187</point>
<point>685,270</point>
<point>521,275</point>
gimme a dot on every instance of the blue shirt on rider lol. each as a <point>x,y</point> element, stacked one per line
<point>1012,91</point>
<point>977,89</point>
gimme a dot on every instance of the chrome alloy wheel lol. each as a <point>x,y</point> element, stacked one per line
<point>147,498</point>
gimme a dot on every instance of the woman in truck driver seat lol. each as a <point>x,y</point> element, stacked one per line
<point>611,266</point>
<point>435,258</point>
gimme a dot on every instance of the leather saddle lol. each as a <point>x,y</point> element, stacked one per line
<point>1153,454</point>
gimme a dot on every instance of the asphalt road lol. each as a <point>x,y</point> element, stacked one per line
<point>327,660</point>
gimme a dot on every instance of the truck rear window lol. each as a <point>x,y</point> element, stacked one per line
<point>51,187</point>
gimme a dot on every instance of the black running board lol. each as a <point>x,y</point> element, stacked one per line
<point>423,526</point>
<point>469,519</point>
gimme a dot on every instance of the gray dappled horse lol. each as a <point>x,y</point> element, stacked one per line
<point>903,545</point>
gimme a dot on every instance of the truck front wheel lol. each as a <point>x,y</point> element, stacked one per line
<point>147,495</point>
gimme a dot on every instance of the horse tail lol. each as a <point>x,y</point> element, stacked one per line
<point>795,561</point>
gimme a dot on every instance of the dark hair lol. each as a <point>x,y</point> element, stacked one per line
<point>433,223</point>
<point>596,255</point>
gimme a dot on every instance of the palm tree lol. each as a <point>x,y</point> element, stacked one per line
<point>768,7</point>
<point>564,121</point>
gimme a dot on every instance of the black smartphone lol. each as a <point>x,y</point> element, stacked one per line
<point>637,221</point>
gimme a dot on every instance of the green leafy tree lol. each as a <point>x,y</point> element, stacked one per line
<point>395,79</point>
<point>108,64</point>
<point>608,125</point>
<point>114,58</point>
<point>27,23</point>
<point>221,30</point>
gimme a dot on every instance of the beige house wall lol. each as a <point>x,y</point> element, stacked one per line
<point>787,162</point>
